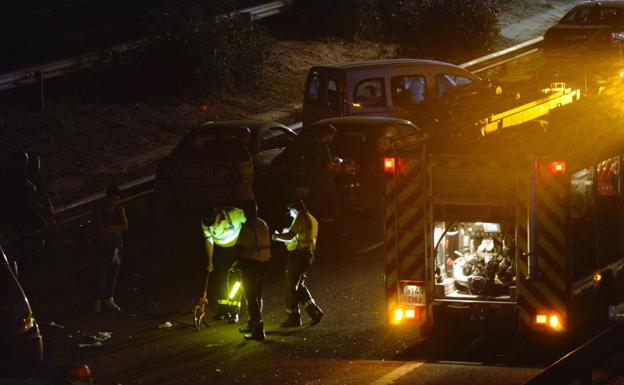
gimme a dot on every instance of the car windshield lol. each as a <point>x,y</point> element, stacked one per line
<point>594,16</point>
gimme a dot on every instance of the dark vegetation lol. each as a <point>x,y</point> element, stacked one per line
<point>210,45</point>
<point>440,29</point>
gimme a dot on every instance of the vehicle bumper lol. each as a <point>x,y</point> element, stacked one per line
<point>476,316</point>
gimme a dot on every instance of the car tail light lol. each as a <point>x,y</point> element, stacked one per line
<point>389,165</point>
<point>82,372</point>
<point>557,167</point>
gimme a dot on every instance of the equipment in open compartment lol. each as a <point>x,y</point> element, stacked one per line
<point>474,260</point>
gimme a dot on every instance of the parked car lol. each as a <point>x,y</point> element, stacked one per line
<point>21,342</point>
<point>20,339</point>
<point>593,30</point>
<point>199,171</point>
<point>401,88</point>
<point>361,142</point>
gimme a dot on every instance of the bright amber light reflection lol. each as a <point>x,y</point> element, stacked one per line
<point>554,322</point>
<point>398,315</point>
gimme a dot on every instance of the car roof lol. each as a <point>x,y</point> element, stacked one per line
<point>612,4</point>
<point>386,63</point>
<point>252,124</point>
<point>362,121</point>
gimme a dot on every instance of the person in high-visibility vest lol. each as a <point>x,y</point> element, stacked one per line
<point>221,227</point>
<point>300,240</point>
<point>254,249</point>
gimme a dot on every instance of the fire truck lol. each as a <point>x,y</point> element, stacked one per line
<point>515,230</point>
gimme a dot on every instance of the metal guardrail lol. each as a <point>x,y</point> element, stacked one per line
<point>106,57</point>
<point>578,364</point>
<point>504,56</point>
<point>130,191</point>
<point>84,207</point>
<point>266,10</point>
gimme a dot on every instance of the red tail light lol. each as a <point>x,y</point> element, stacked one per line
<point>557,167</point>
<point>80,372</point>
<point>389,165</point>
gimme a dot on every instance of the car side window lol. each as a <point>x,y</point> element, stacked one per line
<point>267,141</point>
<point>281,137</point>
<point>313,88</point>
<point>331,92</point>
<point>370,93</point>
<point>408,90</point>
<point>593,16</point>
<point>446,81</point>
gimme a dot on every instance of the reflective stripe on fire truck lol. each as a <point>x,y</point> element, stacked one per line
<point>407,194</point>
<point>544,290</point>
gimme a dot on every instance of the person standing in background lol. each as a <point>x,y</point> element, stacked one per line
<point>110,223</point>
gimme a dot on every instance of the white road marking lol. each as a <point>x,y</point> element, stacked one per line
<point>366,249</point>
<point>397,373</point>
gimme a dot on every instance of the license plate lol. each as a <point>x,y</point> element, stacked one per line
<point>412,293</point>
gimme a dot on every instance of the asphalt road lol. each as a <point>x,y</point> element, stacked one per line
<point>352,344</point>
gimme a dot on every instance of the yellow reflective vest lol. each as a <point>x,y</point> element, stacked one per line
<point>225,233</point>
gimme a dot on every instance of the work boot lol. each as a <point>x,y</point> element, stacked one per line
<point>293,321</point>
<point>97,306</point>
<point>314,312</point>
<point>257,333</point>
<point>111,305</point>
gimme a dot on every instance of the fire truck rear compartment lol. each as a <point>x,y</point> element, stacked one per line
<point>474,261</point>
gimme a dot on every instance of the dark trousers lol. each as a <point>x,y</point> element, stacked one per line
<point>107,265</point>
<point>222,260</point>
<point>297,265</point>
<point>252,272</point>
